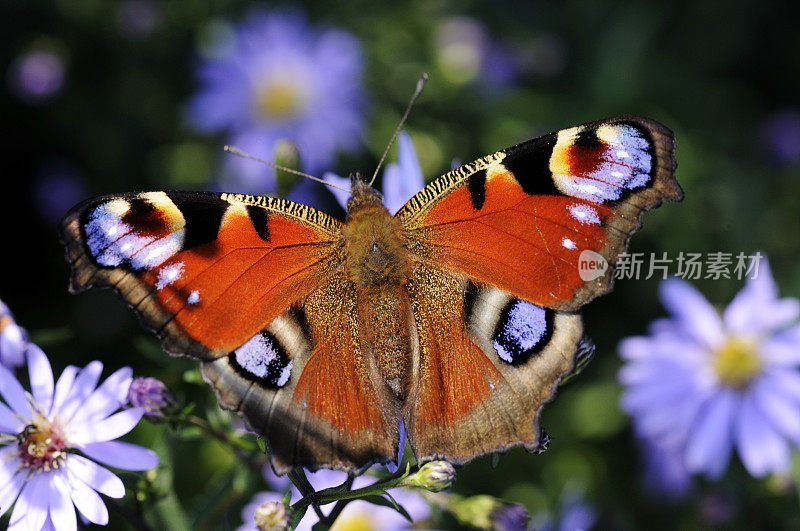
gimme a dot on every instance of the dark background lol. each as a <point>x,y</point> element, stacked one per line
<point>723,76</point>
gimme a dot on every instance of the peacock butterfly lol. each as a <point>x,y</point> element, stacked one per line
<point>457,316</point>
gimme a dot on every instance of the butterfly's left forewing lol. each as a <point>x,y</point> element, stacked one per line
<point>498,245</point>
<point>254,287</point>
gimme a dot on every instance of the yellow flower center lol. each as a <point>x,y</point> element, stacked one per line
<point>737,362</point>
<point>355,521</point>
<point>279,100</point>
<point>42,445</point>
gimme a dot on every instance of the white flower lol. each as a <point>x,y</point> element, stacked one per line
<point>51,437</point>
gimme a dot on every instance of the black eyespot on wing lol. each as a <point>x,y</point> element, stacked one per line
<point>259,217</point>
<point>262,360</point>
<point>522,331</point>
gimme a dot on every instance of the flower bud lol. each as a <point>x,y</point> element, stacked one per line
<point>272,516</point>
<point>434,476</point>
<point>151,394</point>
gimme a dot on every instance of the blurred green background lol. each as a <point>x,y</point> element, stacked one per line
<point>724,76</point>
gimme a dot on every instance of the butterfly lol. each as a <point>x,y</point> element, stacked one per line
<point>456,318</point>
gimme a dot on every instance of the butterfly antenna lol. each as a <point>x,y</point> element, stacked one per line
<point>238,152</point>
<point>417,92</point>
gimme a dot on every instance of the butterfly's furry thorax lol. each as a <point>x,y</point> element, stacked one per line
<point>374,242</point>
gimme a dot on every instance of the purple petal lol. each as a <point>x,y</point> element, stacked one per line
<point>30,511</point>
<point>756,308</point>
<point>88,502</point>
<point>121,455</point>
<point>82,387</point>
<point>697,316</point>
<point>782,412</point>
<point>107,398</point>
<point>783,348</point>
<point>95,476</point>
<point>13,343</point>
<point>9,491</point>
<point>785,381</point>
<point>404,179</point>
<point>401,447</point>
<point>63,387</point>
<point>41,376</point>
<point>709,446</point>
<point>14,394</point>
<point>761,448</point>
<point>60,503</point>
<point>9,423</point>
<point>111,428</point>
<point>341,195</point>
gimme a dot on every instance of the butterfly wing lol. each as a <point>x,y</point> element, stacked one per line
<point>336,412</point>
<point>253,286</point>
<point>498,245</point>
<point>519,219</point>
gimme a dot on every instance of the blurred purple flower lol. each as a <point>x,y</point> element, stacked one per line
<point>56,189</point>
<point>136,19</point>
<point>703,383</point>
<point>44,436</point>
<point>664,473</point>
<point>781,135</point>
<point>466,53</point>
<point>510,517</point>
<point>356,512</point>
<point>37,76</point>
<point>13,339</point>
<point>150,394</point>
<point>574,514</point>
<point>401,180</point>
<point>281,79</point>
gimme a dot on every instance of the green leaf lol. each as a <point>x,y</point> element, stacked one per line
<point>297,514</point>
<point>50,336</point>
<point>262,444</point>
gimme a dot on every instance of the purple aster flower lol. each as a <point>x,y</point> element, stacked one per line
<point>150,394</point>
<point>281,79</point>
<point>13,339</point>
<point>37,76</point>
<point>51,437</point>
<point>702,384</point>
<point>401,180</point>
